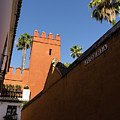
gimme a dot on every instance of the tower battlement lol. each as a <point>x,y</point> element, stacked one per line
<point>44,49</point>
<point>44,39</point>
<point>18,69</point>
<point>17,78</point>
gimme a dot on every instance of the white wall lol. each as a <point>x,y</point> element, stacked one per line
<point>26,95</point>
<point>3,109</point>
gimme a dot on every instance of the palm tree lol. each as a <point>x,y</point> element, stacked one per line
<point>27,44</point>
<point>67,64</point>
<point>76,51</point>
<point>20,46</point>
<point>105,9</point>
<point>24,43</point>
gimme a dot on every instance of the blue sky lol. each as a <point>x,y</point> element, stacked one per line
<point>71,19</point>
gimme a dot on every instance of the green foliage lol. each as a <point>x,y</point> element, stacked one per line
<point>67,64</point>
<point>26,87</point>
<point>76,51</point>
<point>6,86</point>
<point>10,86</point>
<point>113,22</point>
<point>24,103</point>
<point>105,9</point>
<point>24,43</point>
<point>25,40</point>
<point>18,87</point>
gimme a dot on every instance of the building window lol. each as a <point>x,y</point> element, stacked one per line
<point>11,113</point>
<point>50,51</point>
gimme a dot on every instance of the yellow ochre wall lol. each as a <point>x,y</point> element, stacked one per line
<point>86,92</point>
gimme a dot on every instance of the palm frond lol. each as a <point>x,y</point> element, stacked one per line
<point>76,51</point>
<point>71,49</point>
<point>105,9</point>
<point>74,56</point>
<point>72,53</point>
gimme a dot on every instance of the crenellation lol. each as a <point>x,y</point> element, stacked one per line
<point>17,78</point>
<point>43,34</point>
<point>36,33</point>
<point>50,36</point>
<point>18,70</point>
<point>57,37</point>
<point>25,70</point>
<point>11,69</point>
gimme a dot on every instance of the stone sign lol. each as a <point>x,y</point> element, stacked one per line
<point>96,54</point>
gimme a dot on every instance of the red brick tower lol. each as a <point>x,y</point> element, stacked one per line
<point>42,52</point>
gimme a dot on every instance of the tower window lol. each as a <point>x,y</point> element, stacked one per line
<point>50,51</point>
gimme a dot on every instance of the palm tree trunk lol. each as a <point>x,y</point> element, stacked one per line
<point>77,55</point>
<point>25,55</point>
<point>22,61</point>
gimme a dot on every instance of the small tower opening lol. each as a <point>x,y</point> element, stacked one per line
<point>50,51</point>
